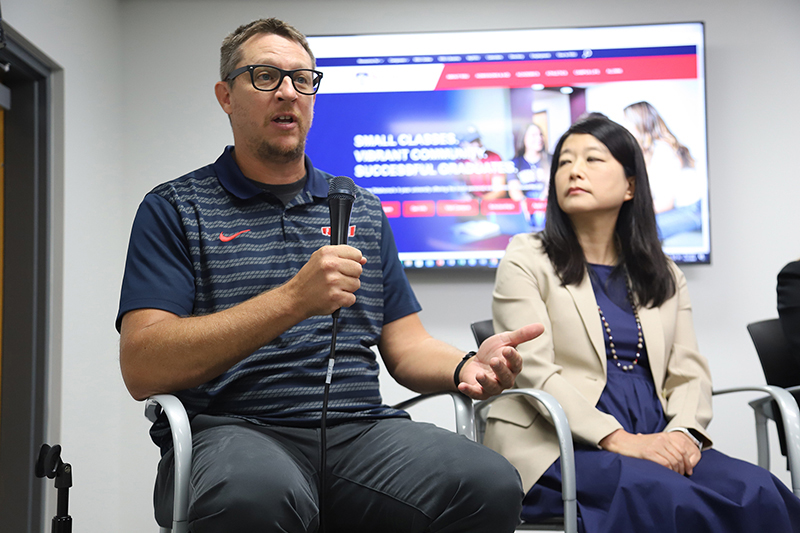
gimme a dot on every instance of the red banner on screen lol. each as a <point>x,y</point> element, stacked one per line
<point>566,72</point>
<point>419,208</point>
<point>391,209</point>
<point>536,205</point>
<point>456,208</point>
<point>500,207</point>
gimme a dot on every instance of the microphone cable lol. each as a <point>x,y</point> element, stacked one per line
<point>341,195</point>
<point>323,453</point>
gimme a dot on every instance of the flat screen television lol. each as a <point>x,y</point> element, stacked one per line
<point>454,130</point>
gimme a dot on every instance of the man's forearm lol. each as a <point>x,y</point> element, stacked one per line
<point>161,352</point>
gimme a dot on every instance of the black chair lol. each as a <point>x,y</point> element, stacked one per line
<point>781,367</point>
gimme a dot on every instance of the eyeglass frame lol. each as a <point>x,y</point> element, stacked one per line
<point>284,73</point>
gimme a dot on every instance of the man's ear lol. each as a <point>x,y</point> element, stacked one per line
<point>223,93</point>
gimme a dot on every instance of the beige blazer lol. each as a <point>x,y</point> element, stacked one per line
<point>569,360</point>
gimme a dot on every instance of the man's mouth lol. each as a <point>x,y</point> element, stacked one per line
<point>284,119</point>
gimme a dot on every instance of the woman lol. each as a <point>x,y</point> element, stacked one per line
<point>533,168</point>
<point>619,353</point>
<point>675,187</point>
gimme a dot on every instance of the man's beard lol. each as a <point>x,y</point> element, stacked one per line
<point>270,153</point>
<point>275,153</point>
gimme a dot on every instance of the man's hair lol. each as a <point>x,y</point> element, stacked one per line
<point>231,49</point>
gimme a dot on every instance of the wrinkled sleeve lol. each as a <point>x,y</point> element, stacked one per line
<point>687,386</point>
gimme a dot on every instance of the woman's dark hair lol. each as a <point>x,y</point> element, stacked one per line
<point>636,233</point>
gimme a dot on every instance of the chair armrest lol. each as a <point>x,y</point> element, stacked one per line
<point>464,410</point>
<point>790,415</point>
<point>559,418</point>
<point>182,445</point>
<point>764,404</point>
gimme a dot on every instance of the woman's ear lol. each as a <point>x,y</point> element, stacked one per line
<point>631,188</point>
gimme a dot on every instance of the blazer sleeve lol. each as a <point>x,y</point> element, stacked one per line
<point>527,290</point>
<point>687,382</point>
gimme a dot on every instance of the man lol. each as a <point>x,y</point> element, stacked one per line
<point>226,303</point>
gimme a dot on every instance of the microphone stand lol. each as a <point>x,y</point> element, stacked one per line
<point>50,464</point>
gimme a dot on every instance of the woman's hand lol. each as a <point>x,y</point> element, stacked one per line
<point>672,449</point>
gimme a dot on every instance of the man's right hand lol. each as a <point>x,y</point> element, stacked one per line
<point>328,280</point>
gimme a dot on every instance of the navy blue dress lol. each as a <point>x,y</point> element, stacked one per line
<point>622,494</point>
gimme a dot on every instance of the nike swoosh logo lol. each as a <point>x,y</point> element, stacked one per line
<point>224,238</point>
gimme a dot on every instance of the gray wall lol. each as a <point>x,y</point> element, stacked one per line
<point>140,109</point>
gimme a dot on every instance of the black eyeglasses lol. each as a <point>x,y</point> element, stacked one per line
<point>269,78</point>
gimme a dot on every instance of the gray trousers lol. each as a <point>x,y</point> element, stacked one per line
<point>392,475</point>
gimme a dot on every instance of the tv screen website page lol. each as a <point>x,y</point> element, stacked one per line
<point>454,131</point>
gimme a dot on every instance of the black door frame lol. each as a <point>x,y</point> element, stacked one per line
<point>27,271</point>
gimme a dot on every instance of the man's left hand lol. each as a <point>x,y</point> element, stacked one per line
<point>497,363</point>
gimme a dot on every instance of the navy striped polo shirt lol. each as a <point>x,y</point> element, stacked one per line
<point>212,239</point>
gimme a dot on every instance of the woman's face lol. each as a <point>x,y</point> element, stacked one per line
<point>534,140</point>
<point>588,179</point>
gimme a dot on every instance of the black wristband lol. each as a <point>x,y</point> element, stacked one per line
<point>456,379</point>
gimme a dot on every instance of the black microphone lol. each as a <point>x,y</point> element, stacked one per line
<point>341,195</point>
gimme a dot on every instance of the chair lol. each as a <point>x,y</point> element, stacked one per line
<point>778,405</point>
<point>182,442</point>
<point>482,330</point>
<point>467,413</point>
<point>781,368</point>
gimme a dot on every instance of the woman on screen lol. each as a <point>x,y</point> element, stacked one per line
<point>532,162</point>
<point>619,354</point>
<point>676,189</point>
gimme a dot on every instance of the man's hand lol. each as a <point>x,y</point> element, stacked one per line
<point>672,449</point>
<point>328,281</point>
<point>497,363</point>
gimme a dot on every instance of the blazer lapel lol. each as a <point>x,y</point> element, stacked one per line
<point>586,303</point>
<point>653,332</point>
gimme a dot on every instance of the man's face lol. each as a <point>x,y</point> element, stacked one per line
<point>271,126</point>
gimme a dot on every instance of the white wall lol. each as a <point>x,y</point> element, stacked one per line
<point>139,109</point>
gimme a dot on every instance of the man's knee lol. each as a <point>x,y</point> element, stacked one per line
<point>251,500</point>
<point>486,493</point>
<point>496,484</point>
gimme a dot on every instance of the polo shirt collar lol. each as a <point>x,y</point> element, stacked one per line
<point>235,182</point>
